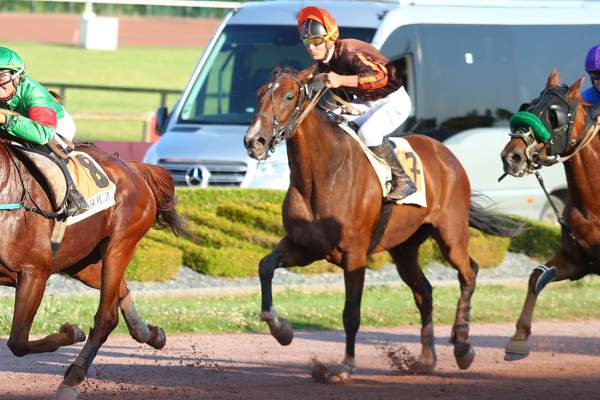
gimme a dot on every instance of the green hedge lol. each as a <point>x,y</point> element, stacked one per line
<point>538,240</point>
<point>234,228</point>
<point>154,261</point>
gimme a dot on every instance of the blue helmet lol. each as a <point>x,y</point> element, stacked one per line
<point>592,61</point>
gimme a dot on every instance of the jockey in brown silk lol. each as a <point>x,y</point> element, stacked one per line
<point>367,75</point>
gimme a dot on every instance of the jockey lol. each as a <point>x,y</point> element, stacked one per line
<point>365,73</point>
<point>592,94</point>
<point>40,116</point>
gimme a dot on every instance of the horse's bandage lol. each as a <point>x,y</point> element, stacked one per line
<point>43,115</point>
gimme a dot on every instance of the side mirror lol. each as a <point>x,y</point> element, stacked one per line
<point>162,116</point>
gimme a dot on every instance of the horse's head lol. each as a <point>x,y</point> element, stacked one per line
<point>554,125</point>
<point>281,102</point>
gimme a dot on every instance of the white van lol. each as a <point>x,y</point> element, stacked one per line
<point>467,66</point>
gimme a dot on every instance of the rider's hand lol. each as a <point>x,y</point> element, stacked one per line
<point>333,80</point>
<point>2,118</point>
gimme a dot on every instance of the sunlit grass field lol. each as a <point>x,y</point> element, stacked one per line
<point>383,306</point>
<point>144,67</point>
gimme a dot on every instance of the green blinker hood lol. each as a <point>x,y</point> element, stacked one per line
<point>524,119</point>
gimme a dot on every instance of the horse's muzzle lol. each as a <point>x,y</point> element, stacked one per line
<point>514,163</point>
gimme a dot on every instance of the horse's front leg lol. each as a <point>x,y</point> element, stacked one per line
<point>285,255</point>
<point>354,282</point>
<point>30,286</point>
<point>556,269</point>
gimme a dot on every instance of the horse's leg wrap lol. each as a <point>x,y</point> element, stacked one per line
<point>138,329</point>
<point>547,275</point>
<point>75,374</point>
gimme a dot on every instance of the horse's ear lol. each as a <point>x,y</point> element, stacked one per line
<point>307,73</point>
<point>553,79</point>
<point>575,88</point>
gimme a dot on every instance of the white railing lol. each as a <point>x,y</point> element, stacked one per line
<point>167,3</point>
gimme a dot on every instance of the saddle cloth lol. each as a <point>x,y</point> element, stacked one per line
<point>92,182</point>
<point>410,160</point>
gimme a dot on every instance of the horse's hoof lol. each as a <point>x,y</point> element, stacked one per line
<point>423,366</point>
<point>284,333</point>
<point>339,378</point>
<point>516,349</point>
<point>158,338</point>
<point>73,331</point>
<point>465,360</point>
<point>65,392</point>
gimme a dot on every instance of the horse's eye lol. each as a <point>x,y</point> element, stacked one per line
<point>289,97</point>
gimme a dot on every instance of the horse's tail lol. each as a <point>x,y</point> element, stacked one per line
<point>491,222</point>
<point>161,184</point>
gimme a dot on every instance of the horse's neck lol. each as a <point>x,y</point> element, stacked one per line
<point>583,178</point>
<point>7,172</point>
<point>318,156</point>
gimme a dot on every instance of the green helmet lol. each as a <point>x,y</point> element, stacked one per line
<point>11,60</point>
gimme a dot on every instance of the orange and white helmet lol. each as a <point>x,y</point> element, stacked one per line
<point>317,22</point>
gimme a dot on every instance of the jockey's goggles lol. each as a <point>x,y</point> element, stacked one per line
<point>315,40</point>
<point>6,76</point>
<point>594,75</point>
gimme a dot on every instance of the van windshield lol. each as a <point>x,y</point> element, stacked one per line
<point>240,62</point>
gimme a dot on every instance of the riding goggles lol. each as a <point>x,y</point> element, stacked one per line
<point>5,77</point>
<point>315,40</point>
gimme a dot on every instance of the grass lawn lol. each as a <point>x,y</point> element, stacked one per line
<point>382,307</point>
<point>159,68</point>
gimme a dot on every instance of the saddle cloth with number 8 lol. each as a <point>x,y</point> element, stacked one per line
<point>92,182</point>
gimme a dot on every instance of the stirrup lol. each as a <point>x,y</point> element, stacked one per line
<point>398,193</point>
<point>75,203</point>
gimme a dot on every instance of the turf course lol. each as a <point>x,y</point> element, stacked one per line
<point>383,306</point>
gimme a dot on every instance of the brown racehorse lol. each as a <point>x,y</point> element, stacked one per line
<point>95,251</point>
<point>564,132</point>
<point>333,206</point>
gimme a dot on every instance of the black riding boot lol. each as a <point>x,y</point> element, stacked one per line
<point>402,185</point>
<point>76,203</point>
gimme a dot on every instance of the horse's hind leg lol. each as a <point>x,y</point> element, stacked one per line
<point>30,290</point>
<point>116,256</point>
<point>406,259</point>
<point>518,346</point>
<point>453,244</point>
<point>139,330</point>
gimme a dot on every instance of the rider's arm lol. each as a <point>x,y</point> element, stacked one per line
<point>38,127</point>
<point>371,75</point>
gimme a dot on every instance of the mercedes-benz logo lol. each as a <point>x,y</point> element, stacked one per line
<point>197,176</point>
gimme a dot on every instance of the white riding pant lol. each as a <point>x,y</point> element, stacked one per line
<point>382,116</point>
<point>65,126</point>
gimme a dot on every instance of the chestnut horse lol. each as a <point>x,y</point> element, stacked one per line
<point>333,206</point>
<point>95,251</point>
<point>556,127</point>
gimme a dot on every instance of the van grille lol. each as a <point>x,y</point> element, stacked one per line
<point>222,173</point>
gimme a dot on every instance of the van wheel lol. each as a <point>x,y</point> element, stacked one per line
<point>547,215</point>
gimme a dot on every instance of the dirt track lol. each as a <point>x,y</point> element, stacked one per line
<point>565,363</point>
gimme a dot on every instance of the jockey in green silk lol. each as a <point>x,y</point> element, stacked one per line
<point>40,116</point>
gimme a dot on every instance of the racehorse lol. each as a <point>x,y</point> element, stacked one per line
<point>95,251</point>
<point>334,203</point>
<point>556,127</point>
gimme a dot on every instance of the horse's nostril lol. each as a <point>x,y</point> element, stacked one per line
<point>515,157</point>
<point>261,140</point>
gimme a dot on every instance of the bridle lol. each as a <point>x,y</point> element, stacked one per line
<point>311,92</point>
<point>555,139</point>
